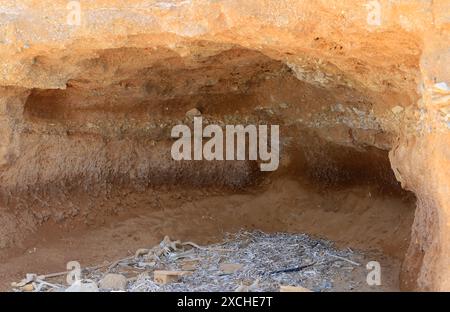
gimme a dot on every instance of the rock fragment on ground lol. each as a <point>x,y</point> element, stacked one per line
<point>113,281</point>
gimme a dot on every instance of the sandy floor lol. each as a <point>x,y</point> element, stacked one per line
<point>357,217</point>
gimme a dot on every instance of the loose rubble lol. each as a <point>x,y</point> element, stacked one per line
<point>246,261</point>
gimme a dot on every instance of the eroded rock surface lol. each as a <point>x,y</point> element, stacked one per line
<point>89,104</point>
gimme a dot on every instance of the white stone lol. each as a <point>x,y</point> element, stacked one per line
<point>83,286</point>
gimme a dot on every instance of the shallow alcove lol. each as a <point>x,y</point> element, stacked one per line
<point>95,167</point>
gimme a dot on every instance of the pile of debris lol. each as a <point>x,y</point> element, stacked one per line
<point>246,261</point>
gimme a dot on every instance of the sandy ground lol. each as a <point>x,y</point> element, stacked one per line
<point>358,217</point>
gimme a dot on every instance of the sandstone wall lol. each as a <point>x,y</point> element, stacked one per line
<point>379,78</point>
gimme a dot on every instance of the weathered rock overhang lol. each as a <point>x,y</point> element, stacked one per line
<point>72,96</point>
